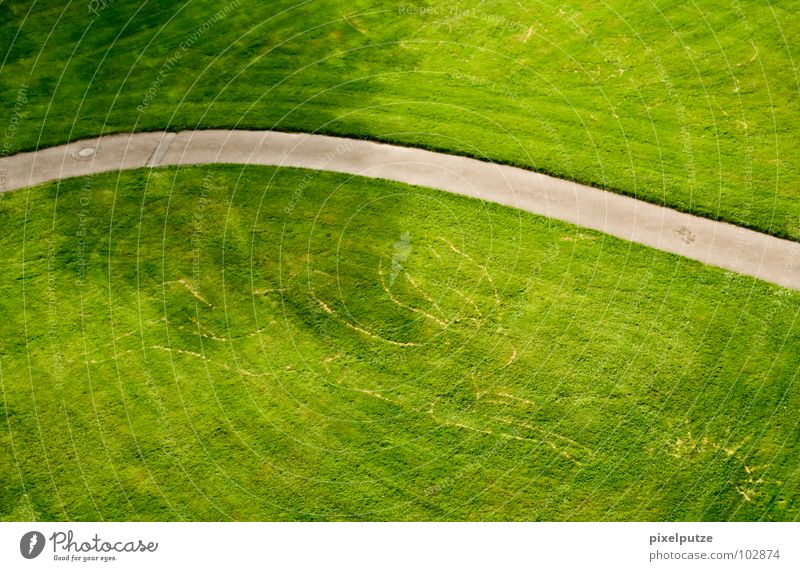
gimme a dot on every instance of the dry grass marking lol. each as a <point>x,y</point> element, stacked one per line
<point>565,446</point>
<point>511,359</point>
<point>185,283</point>
<point>563,449</point>
<point>425,296</point>
<point>482,268</point>
<point>268,290</point>
<point>373,394</point>
<point>205,359</point>
<point>330,311</point>
<point>750,488</point>
<point>507,395</point>
<point>406,306</point>
<point>688,445</point>
<point>528,35</point>
<point>469,301</point>
<point>207,333</point>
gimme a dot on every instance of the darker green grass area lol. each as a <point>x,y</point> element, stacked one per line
<point>274,344</point>
<point>687,104</point>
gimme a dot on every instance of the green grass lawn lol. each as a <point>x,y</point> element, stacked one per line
<point>228,343</point>
<point>689,104</point>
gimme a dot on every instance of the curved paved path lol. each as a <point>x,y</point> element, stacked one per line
<point>708,241</point>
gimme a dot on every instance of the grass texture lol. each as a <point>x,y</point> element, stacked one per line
<point>687,104</point>
<point>221,342</point>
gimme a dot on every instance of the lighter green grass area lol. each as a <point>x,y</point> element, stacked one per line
<point>252,343</point>
<point>689,104</point>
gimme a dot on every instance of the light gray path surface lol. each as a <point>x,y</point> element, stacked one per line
<point>708,241</point>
